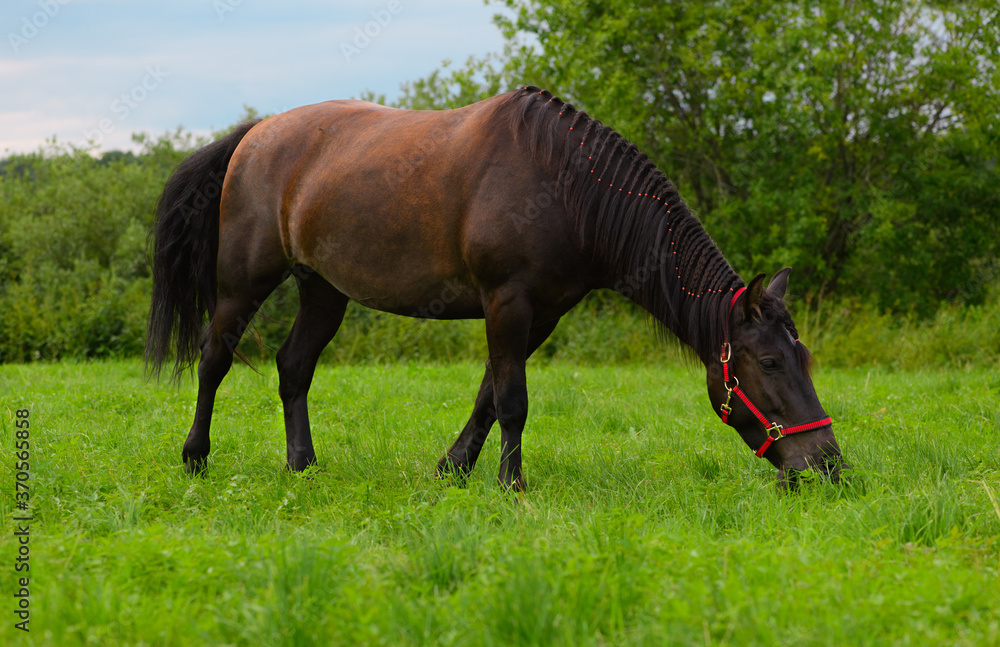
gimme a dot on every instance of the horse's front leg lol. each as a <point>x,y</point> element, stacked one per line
<point>508,328</point>
<point>462,456</point>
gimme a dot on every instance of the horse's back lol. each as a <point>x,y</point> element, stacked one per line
<point>400,210</point>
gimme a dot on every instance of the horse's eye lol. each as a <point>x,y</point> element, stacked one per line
<point>769,364</point>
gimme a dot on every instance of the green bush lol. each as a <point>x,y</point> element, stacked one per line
<point>74,272</point>
<point>79,312</point>
<point>957,336</point>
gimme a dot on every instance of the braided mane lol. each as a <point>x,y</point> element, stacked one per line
<point>630,218</point>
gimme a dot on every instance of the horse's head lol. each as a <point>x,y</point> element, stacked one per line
<point>762,378</point>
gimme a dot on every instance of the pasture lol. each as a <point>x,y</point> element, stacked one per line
<point>646,521</point>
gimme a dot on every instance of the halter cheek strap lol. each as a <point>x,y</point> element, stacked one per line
<point>774,431</point>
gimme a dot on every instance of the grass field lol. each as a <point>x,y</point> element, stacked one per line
<point>647,522</point>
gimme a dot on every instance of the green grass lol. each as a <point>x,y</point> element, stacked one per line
<point>647,522</point>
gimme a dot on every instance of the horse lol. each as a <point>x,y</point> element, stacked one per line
<point>510,210</point>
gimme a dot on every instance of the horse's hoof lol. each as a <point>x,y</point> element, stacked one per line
<point>517,486</point>
<point>300,463</point>
<point>449,468</point>
<point>195,466</point>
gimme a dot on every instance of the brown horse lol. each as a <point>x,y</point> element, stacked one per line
<point>511,210</point>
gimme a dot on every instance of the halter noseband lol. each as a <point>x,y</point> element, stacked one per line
<point>774,431</point>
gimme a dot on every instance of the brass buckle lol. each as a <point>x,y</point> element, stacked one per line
<point>777,429</point>
<point>727,353</point>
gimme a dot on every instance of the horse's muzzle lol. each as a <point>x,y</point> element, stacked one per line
<point>826,461</point>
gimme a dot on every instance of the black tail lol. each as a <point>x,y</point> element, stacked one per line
<point>185,251</point>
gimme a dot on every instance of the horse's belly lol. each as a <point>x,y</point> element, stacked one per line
<point>393,277</point>
<point>450,298</point>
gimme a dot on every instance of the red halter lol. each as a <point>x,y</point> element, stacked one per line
<point>774,431</point>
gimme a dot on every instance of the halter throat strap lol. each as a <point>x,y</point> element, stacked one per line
<point>774,431</point>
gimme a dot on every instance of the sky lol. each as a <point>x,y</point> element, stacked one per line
<point>100,70</point>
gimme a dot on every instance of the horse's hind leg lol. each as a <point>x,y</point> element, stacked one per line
<point>233,313</point>
<point>461,458</point>
<point>321,310</point>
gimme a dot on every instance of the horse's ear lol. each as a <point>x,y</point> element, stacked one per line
<point>751,300</point>
<point>779,283</point>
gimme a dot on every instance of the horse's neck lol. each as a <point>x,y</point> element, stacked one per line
<point>679,276</point>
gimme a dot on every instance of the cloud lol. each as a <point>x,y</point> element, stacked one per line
<point>90,63</point>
